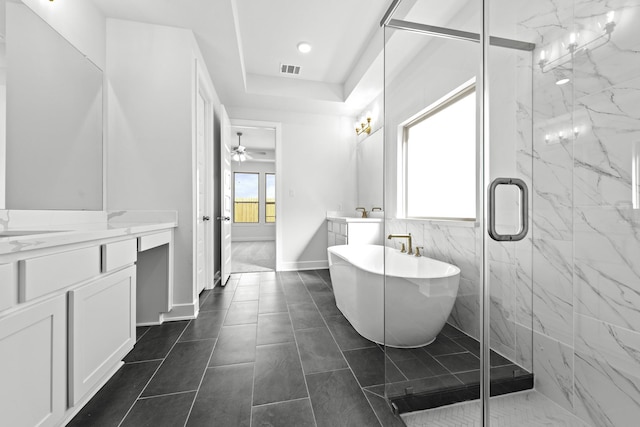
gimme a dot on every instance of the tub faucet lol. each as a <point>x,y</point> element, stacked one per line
<point>403,236</point>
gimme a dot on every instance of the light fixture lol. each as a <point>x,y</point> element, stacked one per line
<point>304,47</point>
<point>563,81</point>
<point>574,47</point>
<point>239,153</point>
<point>363,127</point>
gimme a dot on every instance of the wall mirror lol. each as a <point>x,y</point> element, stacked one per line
<point>50,117</point>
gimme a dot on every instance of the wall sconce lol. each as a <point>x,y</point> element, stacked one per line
<point>562,136</point>
<point>573,47</point>
<point>363,127</point>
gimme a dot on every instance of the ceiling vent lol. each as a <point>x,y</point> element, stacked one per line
<point>289,69</point>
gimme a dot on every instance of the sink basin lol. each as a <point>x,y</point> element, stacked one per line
<point>15,233</point>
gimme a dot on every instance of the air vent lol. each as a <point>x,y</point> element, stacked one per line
<point>289,69</point>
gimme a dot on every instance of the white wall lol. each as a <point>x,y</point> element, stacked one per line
<point>260,231</point>
<point>151,89</point>
<point>318,174</point>
<point>79,21</point>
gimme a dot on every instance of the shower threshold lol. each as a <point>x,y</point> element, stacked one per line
<point>455,373</point>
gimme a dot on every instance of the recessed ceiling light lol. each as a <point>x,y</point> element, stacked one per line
<point>563,81</point>
<point>304,47</point>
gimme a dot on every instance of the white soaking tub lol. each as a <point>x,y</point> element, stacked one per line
<point>419,295</point>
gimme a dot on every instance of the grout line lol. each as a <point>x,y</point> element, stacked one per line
<point>324,320</point>
<point>304,376</point>
<point>140,394</point>
<point>143,334</point>
<point>281,401</point>
<point>167,394</point>
<point>204,372</point>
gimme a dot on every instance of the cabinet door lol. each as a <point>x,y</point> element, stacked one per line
<point>32,365</point>
<point>331,239</point>
<point>341,240</point>
<point>102,320</point>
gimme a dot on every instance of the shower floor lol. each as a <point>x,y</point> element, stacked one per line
<point>446,372</point>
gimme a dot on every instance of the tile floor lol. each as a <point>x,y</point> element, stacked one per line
<point>271,349</point>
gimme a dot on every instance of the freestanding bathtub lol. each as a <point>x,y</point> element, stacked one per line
<point>413,307</point>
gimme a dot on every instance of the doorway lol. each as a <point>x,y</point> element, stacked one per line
<point>254,196</point>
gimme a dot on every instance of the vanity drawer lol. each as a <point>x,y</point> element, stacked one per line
<point>343,229</point>
<point>330,225</point>
<point>119,254</point>
<point>39,276</point>
<point>8,286</point>
<point>153,240</point>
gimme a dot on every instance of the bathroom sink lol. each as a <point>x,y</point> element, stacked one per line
<point>17,233</point>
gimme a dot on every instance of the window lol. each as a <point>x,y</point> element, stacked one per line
<point>270,200</point>
<point>440,160</point>
<point>245,197</point>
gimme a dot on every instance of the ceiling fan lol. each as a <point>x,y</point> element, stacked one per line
<point>239,153</point>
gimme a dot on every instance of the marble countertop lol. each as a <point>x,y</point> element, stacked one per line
<point>59,233</point>
<point>353,219</point>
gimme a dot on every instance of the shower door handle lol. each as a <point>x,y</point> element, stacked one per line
<point>524,210</point>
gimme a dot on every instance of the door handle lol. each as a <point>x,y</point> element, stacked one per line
<point>206,218</point>
<point>223,218</point>
<point>524,210</point>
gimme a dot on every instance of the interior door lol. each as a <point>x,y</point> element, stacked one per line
<point>201,194</point>
<point>225,203</point>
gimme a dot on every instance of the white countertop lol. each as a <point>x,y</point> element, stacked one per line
<point>60,234</point>
<point>353,219</point>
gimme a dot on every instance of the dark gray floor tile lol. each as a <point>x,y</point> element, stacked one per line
<point>443,345</point>
<point>429,361</point>
<point>319,291</point>
<point>182,369</point>
<point>305,315</point>
<point>469,344</point>
<point>296,293</point>
<point>338,400</point>
<point>271,287</point>
<point>398,354</point>
<point>140,331</point>
<point>347,337</point>
<point>247,293</point>
<point>383,411</point>
<point>241,313</point>
<point>287,276</point>
<point>204,295</point>
<point>310,276</point>
<point>452,332</point>
<point>497,374</point>
<point>278,374</point>
<point>249,279</point>
<point>295,413</point>
<point>368,365</point>
<point>274,328</point>
<point>499,360</point>
<point>327,305</point>
<point>109,406</point>
<point>414,369</point>
<point>459,362</point>
<point>161,411</point>
<point>318,351</point>
<point>272,303</point>
<point>219,301</point>
<point>224,398</point>
<point>236,344</point>
<point>206,326</point>
<point>157,342</point>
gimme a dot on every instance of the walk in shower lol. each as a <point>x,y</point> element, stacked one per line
<point>511,151</point>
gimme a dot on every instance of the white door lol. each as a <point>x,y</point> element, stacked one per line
<point>225,203</point>
<point>202,253</point>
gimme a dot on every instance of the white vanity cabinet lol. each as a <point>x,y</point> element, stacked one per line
<point>354,231</point>
<point>70,322</point>
<point>33,359</point>
<point>102,329</point>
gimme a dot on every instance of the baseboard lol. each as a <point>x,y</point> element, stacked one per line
<point>182,312</point>
<point>252,239</point>
<point>303,265</point>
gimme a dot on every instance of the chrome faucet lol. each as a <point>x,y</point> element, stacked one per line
<point>403,236</point>
<point>364,212</point>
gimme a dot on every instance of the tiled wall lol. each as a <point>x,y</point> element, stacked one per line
<point>586,233</point>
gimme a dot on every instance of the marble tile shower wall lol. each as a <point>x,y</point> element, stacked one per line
<point>586,231</point>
